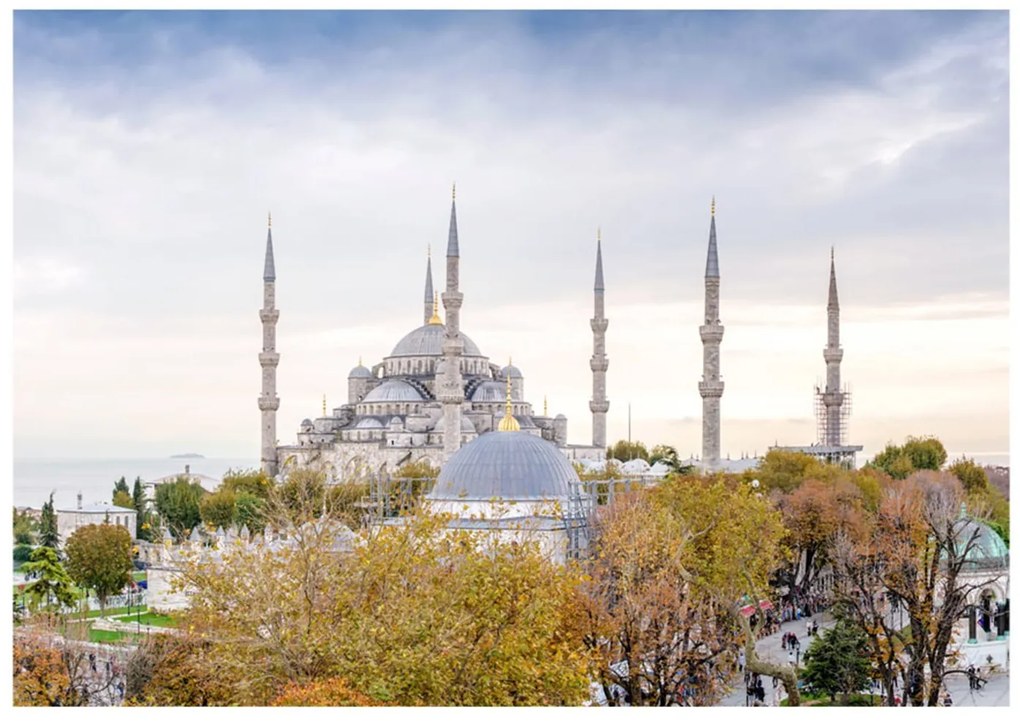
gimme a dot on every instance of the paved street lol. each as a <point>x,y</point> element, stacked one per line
<point>995,693</point>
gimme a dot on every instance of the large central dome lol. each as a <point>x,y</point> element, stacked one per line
<point>509,465</point>
<point>428,340</point>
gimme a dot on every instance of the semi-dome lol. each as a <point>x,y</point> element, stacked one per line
<point>511,371</point>
<point>490,391</point>
<point>466,426</point>
<point>508,465</point>
<point>360,371</point>
<point>392,391</point>
<point>428,340</point>
<point>369,423</point>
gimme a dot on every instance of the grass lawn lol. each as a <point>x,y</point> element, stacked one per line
<point>149,618</point>
<point>100,636</point>
<point>119,611</point>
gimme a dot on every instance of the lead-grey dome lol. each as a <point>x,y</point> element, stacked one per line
<point>392,391</point>
<point>428,340</point>
<point>360,371</point>
<point>505,464</point>
<point>490,391</point>
<point>511,371</point>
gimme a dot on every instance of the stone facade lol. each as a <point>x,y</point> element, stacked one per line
<point>70,520</point>
<point>711,386</point>
<point>599,404</point>
<point>269,359</point>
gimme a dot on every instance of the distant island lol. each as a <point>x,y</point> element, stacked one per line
<point>188,455</point>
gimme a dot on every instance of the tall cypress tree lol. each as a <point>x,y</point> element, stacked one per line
<point>138,496</point>
<point>48,535</point>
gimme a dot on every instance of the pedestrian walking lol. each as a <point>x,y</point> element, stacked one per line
<point>741,660</point>
<point>972,677</point>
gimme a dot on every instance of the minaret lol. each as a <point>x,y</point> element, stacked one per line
<point>833,354</point>
<point>710,387</point>
<point>269,359</point>
<point>451,390</point>
<point>599,363</point>
<point>428,288</point>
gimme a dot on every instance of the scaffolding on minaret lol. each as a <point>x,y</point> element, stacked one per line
<point>825,434</point>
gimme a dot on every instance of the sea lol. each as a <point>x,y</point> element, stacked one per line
<point>34,479</point>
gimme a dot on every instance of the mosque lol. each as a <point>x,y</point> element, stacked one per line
<point>436,378</point>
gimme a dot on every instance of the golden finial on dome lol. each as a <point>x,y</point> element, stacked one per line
<point>713,206</point>
<point>545,406</point>
<point>323,405</point>
<point>435,319</point>
<point>359,361</point>
<point>508,422</point>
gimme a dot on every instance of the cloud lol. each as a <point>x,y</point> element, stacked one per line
<point>148,149</point>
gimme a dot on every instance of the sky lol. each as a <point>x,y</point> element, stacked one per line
<point>150,146</point>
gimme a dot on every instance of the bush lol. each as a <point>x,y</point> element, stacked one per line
<point>22,553</point>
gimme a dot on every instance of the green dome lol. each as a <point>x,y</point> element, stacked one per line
<point>987,547</point>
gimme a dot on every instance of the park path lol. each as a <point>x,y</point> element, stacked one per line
<point>771,648</point>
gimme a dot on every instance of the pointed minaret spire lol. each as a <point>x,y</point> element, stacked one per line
<point>712,265</point>
<point>833,296</point>
<point>269,273</point>
<point>452,246</point>
<point>269,402</point>
<point>429,293</point>
<point>450,389</point>
<point>833,396</point>
<point>599,363</point>
<point>711,385</point>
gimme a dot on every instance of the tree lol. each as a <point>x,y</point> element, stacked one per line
<point>971,475</point>
<point>218,510</point>
<point>666,575</point>
<point>250,512</point>
<point>668,455</point>
<point>48,535</point>
<point>625,451</point>
<point>253,482</point>
<point>138,502</point>
<point>837,661</point>
<point>417,614</point>
<point>120,486</point>
<point>178,505</point>
<point>813,513</point>
<point>99,558</point>
<point>52,582</point>
<point>925,453</point>
<point>123,499</point>
<point>25,528</point>
<point>785,470</point>
<point>330,692</point>
<point>40,678</point>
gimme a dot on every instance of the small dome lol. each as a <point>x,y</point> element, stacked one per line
<point>512,371</point>
<point>306,423</point>
<point>560,417</point>
<point>508,465</point>
<point>636,465</point>
<point>392,391</point>
<point>490,391</point>
<point>360,371</point>
<point>428,340</point>
<point>369,423</point>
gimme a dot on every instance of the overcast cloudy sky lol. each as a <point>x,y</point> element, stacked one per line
<point>149,146</point>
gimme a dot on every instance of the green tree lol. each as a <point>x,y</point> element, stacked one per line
<point>52,582</point>
<point>25,528</point>
<point>99,558</point>
<point>142,524</point>
<point>48,535</point>
<point>123,499</point>
<point>971,475</point>
<point>668,455</point>
<point>178,505</point>
<point>916,454</point>
<point>625,451</point>
<point>250,512</point>
<point>120,486</point>
<point>218,510</point>
<point>837,661</point>
<point>253,482</point>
